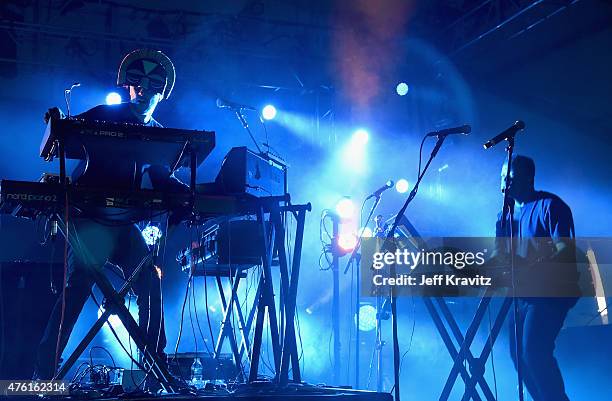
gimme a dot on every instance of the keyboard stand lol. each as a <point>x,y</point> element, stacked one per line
<point>115,305</point>
<point>283,338</point>
<point>227,331</point>
<point>270,215</point>
<point>463,355</point>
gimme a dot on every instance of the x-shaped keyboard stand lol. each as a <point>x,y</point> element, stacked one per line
<point>475,374</point>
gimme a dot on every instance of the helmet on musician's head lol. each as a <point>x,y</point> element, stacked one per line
<point>147,68</point>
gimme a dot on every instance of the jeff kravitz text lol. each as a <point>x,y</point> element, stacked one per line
<point>435,280</point>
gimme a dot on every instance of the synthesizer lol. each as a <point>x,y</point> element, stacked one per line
<point>134,141</point>
<point>29,199</point>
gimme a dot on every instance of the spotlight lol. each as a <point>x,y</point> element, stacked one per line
<point>360,137</point>
<point>402,88</point>
<point>347,242</point>
<point>367,318</point>
<point>345,208</point>
<point>268,112</point>
<point>113,98</point>
<point>151,234</point>
<point>401,186</point>
<point>366,232</point>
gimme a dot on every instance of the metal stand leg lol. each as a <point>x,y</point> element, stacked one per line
<point>285,351</point>
<point>265,302</point>
<point>484,355</point>
<point>477,365</point>
<point>93,331</point>
<point>116,306</point>
<point>245,346</point>
<point>158,368</point>
<point>458,367</point>
<point>227,330</point>
<point>290,352</point>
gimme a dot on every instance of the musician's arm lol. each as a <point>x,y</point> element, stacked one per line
<point>561,226</point>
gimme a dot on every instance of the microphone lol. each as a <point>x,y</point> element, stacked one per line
<point>463,130</point>
<point>388,185</point>
<point>74,85</point>
<point>226,104</point>
<point>508,133</point>
<point>68,96</point>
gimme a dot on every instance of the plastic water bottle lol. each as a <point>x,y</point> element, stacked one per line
<point>196,373</point>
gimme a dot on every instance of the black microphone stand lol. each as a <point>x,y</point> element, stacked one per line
<point>68,97</point>
<point>381,314</point>
<point>245,125</point>
<point>357,298</point>
<point>508,214</point>
<point>390,236</point>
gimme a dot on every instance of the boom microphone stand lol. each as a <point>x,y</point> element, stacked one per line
<point>245,125</point>
<point>390,236</point>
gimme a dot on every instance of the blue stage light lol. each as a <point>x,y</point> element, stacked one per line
<point>402,88</point>
<point>360,137</point>
<point>401,186</point>
<point>268,112</point>
<point>151,234</point>
<point>345,208</point>
<point>347,241</point>
<point>367,318</point>
<point>113,98</point>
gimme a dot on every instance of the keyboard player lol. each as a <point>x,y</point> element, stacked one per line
<point>149,75</point>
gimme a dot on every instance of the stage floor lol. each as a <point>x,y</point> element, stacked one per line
<point>306,393</point>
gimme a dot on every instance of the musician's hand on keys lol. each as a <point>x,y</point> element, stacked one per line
<point>54,113</point>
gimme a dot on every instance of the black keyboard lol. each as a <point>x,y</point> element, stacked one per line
<point>122,140</point>
<point>29,199</point>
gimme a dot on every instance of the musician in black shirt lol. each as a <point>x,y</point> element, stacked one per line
<point>544,251</point>
<point>150,76</point>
